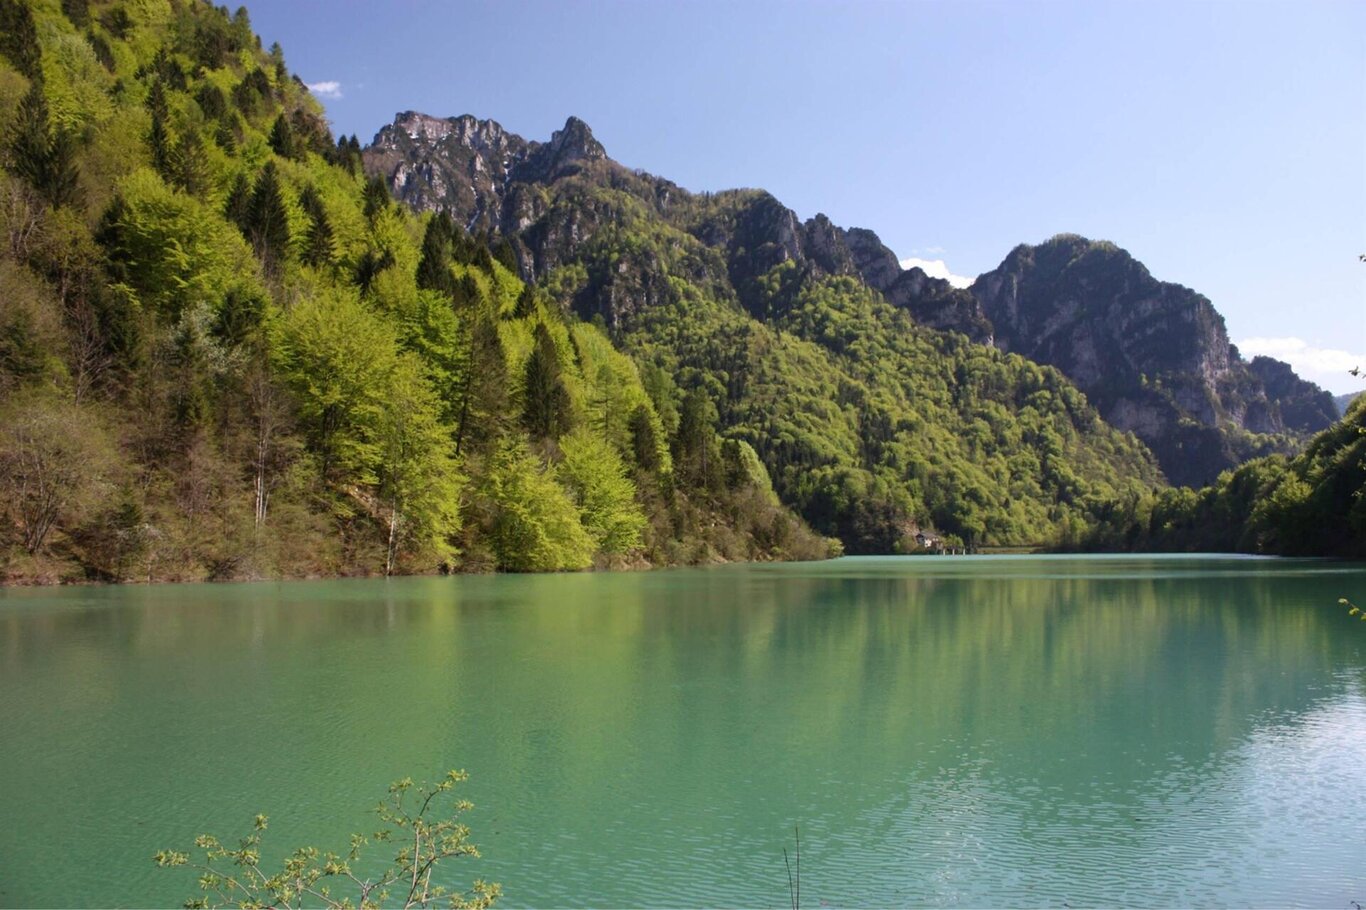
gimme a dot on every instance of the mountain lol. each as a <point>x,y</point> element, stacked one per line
<point>1342,402</point>
<point>1313,504</point>
<point>870,421</point>
<point>1152,356</point>
<point>225,353</point>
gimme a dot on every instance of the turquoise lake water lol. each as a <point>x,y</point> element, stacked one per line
<point>956,731</point>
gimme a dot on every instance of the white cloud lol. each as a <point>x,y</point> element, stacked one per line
<point>1326,366</point>
<point>329,89</point>
<point>937,268</point>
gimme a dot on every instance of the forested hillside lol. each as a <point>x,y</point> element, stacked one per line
<point>870,423</point>
<point>226,354</point>
<point>1311,505</point>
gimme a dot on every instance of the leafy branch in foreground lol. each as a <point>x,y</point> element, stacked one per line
<point>234,876</point>
<point>1353,609</point>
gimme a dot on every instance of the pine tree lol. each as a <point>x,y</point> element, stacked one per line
<point>434,268</point>
<point>368,267</point>
<point>697,451</point>
<point>484,391</point>
<point>467,293</point>
<point>644,442</point>
<point>44,159</point>
<point>211,101</point>
<point>318,244</point>
<point>268,224</point>
<point>78,11</point>
<point>156,100</point>
<point>546,408</point>
<point>19,38</point>
<point>526,302</point>
<point>506,254</point>
<point>160,145</point>
<point>376,197</point>
<point>282,138</point>
<point>237,208</point>
<point>189,170</point>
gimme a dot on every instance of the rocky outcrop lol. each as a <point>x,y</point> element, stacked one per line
<point>1303,406</point>
<point>476,170</point>
<point>495,181</point>
<point>1154,357</point>
<point>930,301</point>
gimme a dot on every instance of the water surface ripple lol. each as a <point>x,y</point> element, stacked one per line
<point>970,731</point>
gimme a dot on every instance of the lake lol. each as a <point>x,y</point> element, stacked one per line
<point>954,731</point>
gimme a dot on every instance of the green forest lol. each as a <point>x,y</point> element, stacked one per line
<point>870,425</point>
<point>1313,504</point>
<point>226,353</point>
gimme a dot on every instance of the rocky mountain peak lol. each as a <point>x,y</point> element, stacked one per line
<point>1153,356</point>
<point>575,142</point>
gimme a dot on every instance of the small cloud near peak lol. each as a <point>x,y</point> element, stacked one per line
<point>1329,367</point>
<point>327,89</point>
<point>937,268</point>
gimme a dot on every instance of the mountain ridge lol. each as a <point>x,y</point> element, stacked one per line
<point>1202,412</point>
<point>869,422</point>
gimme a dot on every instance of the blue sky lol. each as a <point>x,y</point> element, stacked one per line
<point>1223,144</point>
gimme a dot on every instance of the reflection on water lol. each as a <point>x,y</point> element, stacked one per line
<point>970,731</point>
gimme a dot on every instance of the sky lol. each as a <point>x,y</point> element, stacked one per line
<point>1223,144</point>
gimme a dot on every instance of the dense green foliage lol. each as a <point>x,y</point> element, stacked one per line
<point>226,353</point>
<point>870,425</point>
<point>1311,505</point>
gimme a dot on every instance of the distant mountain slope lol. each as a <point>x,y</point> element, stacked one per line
<point>1154,357</point>
<point>870,424</point>
<point>1342,402</point>
<point>1311,505</point>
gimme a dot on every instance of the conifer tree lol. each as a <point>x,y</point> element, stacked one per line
<point>19,37</point>
<point>526,302</point>
<point>697,452</point>
<point>467,293</point>
<point>268,224</point>
<point>237,207</point>
<point>376,197</point>
<point>434,268</point>
<point>546,409</point>
<point>188,169</point>
<point>78,11</point>
<point>103,52</point>
<point>506,254</point>
<point>484,391</point>
<point>371,263</point>
<point>156,100</point>
<point>45,159</point>
<point>318,245</point>
<point>160,146</point>
<point>211,101</point>
<point>644,442</point>
<point>282,139</point>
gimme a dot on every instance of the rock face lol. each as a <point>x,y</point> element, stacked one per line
<point>1304,407</point>
<point>475,169</point>
<point>492,180</point>
<point>931,301</point>
<point>1154,357</point>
